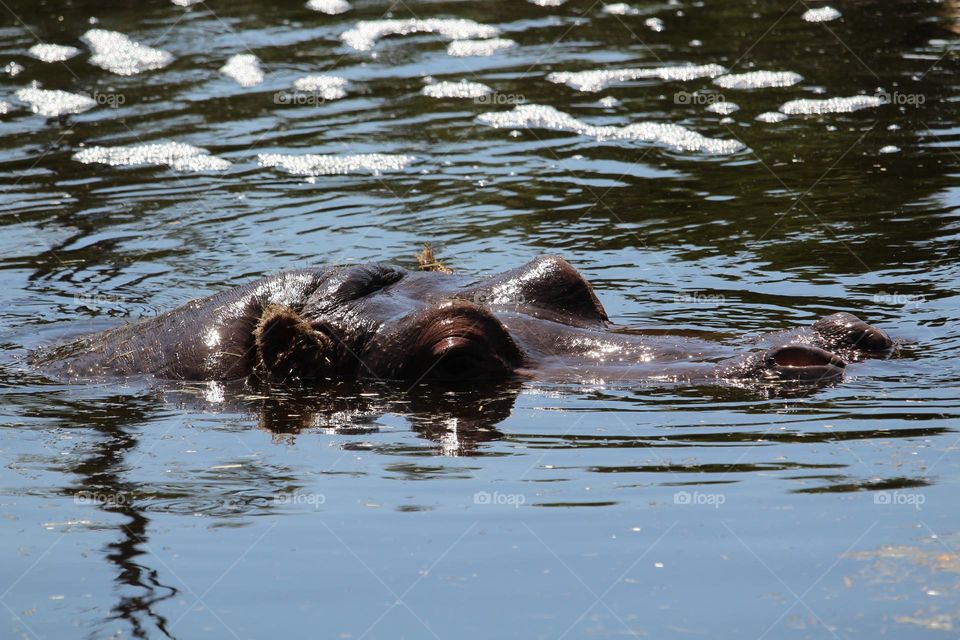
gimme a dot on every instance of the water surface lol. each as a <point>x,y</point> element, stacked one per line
<point>185,511</point>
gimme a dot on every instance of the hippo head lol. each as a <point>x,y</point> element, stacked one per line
<point>381,321</point>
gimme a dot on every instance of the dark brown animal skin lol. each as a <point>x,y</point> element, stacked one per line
<point>383,322</point>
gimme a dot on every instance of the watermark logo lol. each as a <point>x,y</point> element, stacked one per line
<point>297,498</point>
<point>698,499</point>
<point>699,297</point>
<point>112,100</point>
<point>496,498</point>
<point>300,98</point>
<point>487,298</point>
<point>101,498</point>
<point>94,300</point>
<point>899,298</point>
<point>900,498</point>
<point>698,98</point>
<point>903,99</point>
<point>500,99</point>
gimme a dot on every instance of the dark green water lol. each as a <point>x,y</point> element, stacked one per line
<point>531,511</point>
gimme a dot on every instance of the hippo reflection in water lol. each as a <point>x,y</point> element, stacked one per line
<point>376,321</point>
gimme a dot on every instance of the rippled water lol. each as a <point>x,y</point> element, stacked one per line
<point>513,511</point>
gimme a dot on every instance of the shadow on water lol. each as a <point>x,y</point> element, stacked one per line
<point>101,480</point>
<point>456,423</point>
<point>462,422</point>
<point>457,420</point>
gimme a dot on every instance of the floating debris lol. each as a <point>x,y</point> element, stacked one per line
<point>830,105</point>
<point>758,80</point>
<point>244,68</point>
<point>428,261</point>
<point>116,52</point>
<point>723,107</point>
<point>5,107</point>
<point>323,86</point>
<point>53,103</point>
<point>609,102</point>
<point>821,14</point>
<point>890,148</point>
<point>52,52</point>
<point>12,69</point>
<point>602,78</point>
<point>326,165</point>
<point>463,48</point>
<point>365,33</point>
<point>329,7</point>
<point>771,117</point>
<point>671,135</point>
<point>548,3</point>
<point>938,622</point>
<point>655,24</point>
<point>461,89</point>
<point>186,3</point>
<point>176,155</point>
<point>620,9</point>
<point>67,525</point>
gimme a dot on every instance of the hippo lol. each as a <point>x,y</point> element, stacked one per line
<point>383,322</point>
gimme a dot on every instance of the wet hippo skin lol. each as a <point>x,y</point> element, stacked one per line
<point>377,321</point>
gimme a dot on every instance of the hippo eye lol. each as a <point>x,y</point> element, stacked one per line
<point>460,358</point>
<point>452,341</point>
<point>462,341</point>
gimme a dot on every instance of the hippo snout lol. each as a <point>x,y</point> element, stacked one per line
<point>847,330</point>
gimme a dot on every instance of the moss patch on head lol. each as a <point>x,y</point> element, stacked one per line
<point>427,261</point>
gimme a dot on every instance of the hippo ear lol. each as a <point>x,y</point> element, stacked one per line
<point>288,348</point>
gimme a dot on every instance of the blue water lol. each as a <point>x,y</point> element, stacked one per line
<point>517,511</point>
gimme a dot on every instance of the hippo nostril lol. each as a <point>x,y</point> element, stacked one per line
<point>802,362</point>
<point>847,330</point>
<point>875,340</point>
<point>801,357</point>
<point>458,358</point>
